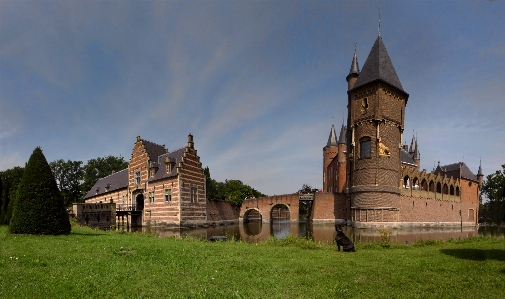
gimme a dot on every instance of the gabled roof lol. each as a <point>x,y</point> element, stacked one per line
<point>332,139</point>
<point>378,66</point>
<point>153,150</point>
<point>115,181</point>
<point>407,158</point>
<point>174,157</point>
<point>459,170</point>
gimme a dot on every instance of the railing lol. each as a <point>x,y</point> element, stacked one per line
<point>126,207</point>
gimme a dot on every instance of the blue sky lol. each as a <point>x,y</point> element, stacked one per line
<point>256,82</point>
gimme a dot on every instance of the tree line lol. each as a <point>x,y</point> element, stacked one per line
<point>73,178</point>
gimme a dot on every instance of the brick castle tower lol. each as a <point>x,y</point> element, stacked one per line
<point>375,123</point>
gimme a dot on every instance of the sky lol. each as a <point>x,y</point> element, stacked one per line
<point>258,83</point>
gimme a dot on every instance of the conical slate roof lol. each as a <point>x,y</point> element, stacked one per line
<point>378,66</point>
<point>342,135</point>
<point>332,140</point>
<point>354,65</point>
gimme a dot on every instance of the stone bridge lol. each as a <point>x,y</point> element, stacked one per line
<point>326,207</point>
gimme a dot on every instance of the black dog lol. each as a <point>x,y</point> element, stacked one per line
<point>342,240</point>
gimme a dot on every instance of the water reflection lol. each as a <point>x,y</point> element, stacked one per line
<point>256,231</point>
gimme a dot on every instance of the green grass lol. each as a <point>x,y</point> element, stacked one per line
<point>97,264</point>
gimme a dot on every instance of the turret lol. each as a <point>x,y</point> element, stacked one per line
<point>353,73</point>
<point>330,151</point>
<point>480,176</point>
<point>417,156</point>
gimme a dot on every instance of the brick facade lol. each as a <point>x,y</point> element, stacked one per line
<point>161,188</point>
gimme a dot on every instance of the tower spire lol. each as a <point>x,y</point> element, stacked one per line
<point>379,22</point>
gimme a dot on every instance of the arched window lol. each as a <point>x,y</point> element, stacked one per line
<point>424,185</point>
<point>432,186</point>
<point>445,189</point>
<point>451,190</point>
<point>457,191</point>
<point>365,147</point>
<point>439,187</point>
<point>415,184</point>
<point>406,182</point>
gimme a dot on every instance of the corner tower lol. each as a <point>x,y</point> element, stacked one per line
<point>330,151</point>
<point>376,109</point>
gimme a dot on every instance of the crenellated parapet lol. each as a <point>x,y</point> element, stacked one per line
<point>422,184</point>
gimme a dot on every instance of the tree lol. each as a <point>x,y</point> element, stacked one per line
<point>10,181</point>
<point>68,176</point>
<point>307,189</point>
<point>494,189</point>
<point>99,168</point>
<point>232,191</point>
<point>38,206</point>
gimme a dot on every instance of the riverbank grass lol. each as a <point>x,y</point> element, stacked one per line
<point>106,264</point>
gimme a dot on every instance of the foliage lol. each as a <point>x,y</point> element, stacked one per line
<point>494,189</point>
<point>38,206</point>
<point>232,191</point>
<point>68,176</point>
<point>307,189</point>
<point>10,181</point>
<point>385,238</point>
<point>107,264</point>
<point>99,168</point>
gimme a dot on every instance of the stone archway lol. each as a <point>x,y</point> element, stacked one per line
<point>139,202</point>
<point>280,211</point>
<point>252,215</point>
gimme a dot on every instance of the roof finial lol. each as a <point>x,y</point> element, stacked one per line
<point>333,120</point>
<point>379,21</point>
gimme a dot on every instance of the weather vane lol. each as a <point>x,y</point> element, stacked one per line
<point>379,22</point>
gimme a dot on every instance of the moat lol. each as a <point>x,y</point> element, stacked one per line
<point>256,231</point>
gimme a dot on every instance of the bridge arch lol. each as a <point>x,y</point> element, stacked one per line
<point>280,211</point>
<point>252,214</point>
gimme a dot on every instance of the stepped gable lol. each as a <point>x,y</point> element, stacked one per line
<point>378,66</point>
<point>115,181</point>
<point>407,158</point>
<point>457,170</point>
<point>175,157</point>
<point>153,150</point>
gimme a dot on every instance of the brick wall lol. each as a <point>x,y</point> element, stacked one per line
<point>219,212</point>
<point>413,209</point>
<point>329,207</point>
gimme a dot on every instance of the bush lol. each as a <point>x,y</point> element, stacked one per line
<point>38,207</point>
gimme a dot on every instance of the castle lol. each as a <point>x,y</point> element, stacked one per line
<point>370,178</point>
<point>379,175</point>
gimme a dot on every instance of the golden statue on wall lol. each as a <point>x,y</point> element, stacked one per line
<point>383,150</point>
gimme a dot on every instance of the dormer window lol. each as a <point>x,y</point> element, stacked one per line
<point>151,172</point>
<point>107,187</point>
<point>168,165</point>
<point>97,189</point>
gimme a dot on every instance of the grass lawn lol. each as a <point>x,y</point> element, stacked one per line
<point>96,264</point>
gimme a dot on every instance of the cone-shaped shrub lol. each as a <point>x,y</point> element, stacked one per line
<point>38,206</point>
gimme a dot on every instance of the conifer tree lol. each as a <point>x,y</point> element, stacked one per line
<point>38,207</point>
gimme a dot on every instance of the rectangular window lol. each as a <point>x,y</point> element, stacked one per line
<point>365,149</point>
<point>151,197</point>
<point>193,195</point>
<point>151,173</point>
<point>169,168</point>
<point>137,177</point>
<point>168,195</point>
<point>123,200</point>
